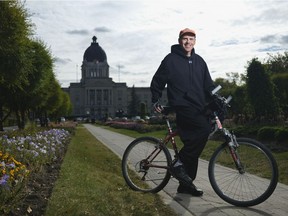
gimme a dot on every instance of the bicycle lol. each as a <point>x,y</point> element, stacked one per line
<point>233,168</point>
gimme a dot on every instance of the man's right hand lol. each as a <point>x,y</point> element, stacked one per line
<point>158,107</point>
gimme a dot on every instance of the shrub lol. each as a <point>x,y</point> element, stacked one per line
<point>245,131</point>
<point>281,135</point>
<point>267,133</point>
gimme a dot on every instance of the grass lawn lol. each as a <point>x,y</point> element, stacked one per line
<point>91,183</point>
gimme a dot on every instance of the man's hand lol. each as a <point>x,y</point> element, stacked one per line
<point>157,107</point>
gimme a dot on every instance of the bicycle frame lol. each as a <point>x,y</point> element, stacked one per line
<point>145,163</point>
<point>170,137</point>
<point>230,140</point>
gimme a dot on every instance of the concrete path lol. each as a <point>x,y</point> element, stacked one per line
<point>209,203</point>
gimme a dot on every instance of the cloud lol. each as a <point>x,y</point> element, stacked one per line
<point>62,61</point>
<point>284,39</point>
<point>78,32</point>
<point>270,49</point>
<point>224,43</point>
<point>275,39</point>
<point>102,29</point>
<point>139,34</point>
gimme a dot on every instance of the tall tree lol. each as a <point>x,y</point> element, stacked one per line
<point>281,82</point>
<point>33,95</point>
<point>15,28</point>
<point>64,107</point>
<point>278,63</point>
<point>133,107</point>
<point>260,91</point>
<point>143,110</point>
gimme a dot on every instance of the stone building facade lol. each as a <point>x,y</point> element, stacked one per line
<point>97,95</point>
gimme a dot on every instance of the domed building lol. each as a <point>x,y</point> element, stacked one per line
<point>97,95</point>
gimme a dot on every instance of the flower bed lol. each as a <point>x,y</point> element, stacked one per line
<point>23,155</point>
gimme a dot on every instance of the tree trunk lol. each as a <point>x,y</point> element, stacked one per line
<point>22,119</point>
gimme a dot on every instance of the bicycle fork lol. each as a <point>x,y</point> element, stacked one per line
<point>233,146</point>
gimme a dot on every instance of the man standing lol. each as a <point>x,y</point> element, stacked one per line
<point>188,84</point>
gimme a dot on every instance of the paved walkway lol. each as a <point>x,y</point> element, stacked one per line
<point>209,203</point>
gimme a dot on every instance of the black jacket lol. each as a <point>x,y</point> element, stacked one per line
<point>188,79</point>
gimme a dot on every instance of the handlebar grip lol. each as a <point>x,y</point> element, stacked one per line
<point>213,92</point>
<point>229,99</point>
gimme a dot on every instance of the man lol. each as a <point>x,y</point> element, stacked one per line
<point>188,84</point>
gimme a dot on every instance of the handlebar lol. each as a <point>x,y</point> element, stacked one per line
<point>218,102</point>
<point>214,91</point>
<point>224,100</point>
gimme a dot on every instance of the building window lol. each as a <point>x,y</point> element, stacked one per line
<point>92,96</point>
<point>100,72</point>
<point>77,102</point>
<point>99,97</point>
<point>120,95</point>
<point>105,97</point>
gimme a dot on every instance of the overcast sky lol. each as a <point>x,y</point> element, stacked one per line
<point>137,35</point>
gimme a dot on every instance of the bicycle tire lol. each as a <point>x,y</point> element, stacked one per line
<point>246,189</point>
<point>137,174</point>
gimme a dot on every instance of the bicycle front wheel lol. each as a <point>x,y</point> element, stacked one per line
<point>145,165</point>
<point>252,184</point>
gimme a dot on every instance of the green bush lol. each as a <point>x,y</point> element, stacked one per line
<point>245,131</point>
<point>281,135</point>
<point>267,133</point>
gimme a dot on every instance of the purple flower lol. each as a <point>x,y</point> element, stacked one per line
<point>3,180</point>
<point>11,165</point>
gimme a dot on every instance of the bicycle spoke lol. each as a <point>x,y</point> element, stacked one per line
<point>145,156</point>
<point>251,187</point>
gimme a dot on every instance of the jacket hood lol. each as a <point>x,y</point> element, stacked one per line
<point>179,50</point>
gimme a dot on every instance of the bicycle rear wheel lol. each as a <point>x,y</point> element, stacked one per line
<point>250,186</point>
<point>145,165</point>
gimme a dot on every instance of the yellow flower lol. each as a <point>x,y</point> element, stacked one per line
<point>15,161</point>
<point>5,156</point>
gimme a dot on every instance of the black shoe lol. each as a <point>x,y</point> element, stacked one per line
<point>192,190</point>
<point>180,174</point>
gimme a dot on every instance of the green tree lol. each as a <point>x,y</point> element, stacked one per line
<point>15,28</point>
<point>277,63</point>
<point>236,78</point>
<point>64,108</point>
<point>281,82</point>
<point>133,106</point>
<point>143,110</point>
<point>55,98</point>
<point>260,90</point>
<point>239,103</point>
<point>33,95</point>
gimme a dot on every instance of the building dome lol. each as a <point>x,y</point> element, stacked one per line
<point>94,52</point>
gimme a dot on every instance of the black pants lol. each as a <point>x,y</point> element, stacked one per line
<point>193,128</point>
